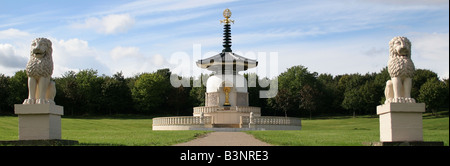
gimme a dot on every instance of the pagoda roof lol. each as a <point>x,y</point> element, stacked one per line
<point>226,58</point>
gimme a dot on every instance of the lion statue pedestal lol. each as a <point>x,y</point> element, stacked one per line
<point>400,115</point>
<point>39,116</point>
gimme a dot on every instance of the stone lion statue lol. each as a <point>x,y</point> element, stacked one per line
<point>41,90</point>
<point>401,70</point>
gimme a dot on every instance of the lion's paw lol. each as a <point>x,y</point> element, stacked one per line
<point>410,100</point>
<point>398,100</point>
<point>29,101</point>
<point>388,101</point>
<point>40,101</point>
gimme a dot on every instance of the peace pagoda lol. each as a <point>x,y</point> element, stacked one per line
<point>226,99</point>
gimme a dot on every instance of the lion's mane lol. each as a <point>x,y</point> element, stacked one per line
<point>400,66</point>
<point>40,67</point>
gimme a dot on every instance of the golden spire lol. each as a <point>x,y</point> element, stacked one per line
<point>227,15</point>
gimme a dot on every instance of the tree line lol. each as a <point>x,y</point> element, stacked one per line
<point>301,93</point>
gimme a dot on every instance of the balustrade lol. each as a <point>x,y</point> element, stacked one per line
<point>271,120</point>
<point>181,120</point>
<point>243,109</point>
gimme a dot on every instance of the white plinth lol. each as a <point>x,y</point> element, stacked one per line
<point>39,121</point>
<point>401,121</point>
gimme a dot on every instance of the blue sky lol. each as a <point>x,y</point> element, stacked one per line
<point>327,36</point>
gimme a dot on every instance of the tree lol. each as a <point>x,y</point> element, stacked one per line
<point>309,99</point>
<point>380,83</point>
<point>331,97</point>
<point>295,77</point>
<point>285,101</point>
<point>179,101</point>
<point>4,94</point>
<point>434,94</point>
<point>349,86</point>
<point>353,100</point>
<point>18,88</point>
<point>447,96</point>
<point>299,92</point>
<point>290,84</point>
<point>150,92</point>
<point>361,93</point>
<point>197,94</point>
<point>371,96</point>
<point>116,95</point>
<point>90,90</point>
<point>254,89</point>
<point>67,93</point>
<point>421,76</point>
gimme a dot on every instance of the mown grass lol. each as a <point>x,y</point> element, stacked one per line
<point>137,131</point>
<point>108,131</point>
<point>346,132</point>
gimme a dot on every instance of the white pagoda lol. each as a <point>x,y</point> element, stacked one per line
<point>226,99</point>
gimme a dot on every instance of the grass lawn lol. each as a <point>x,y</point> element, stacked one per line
<point>137,131</point>
<point>346,131</point>
<point>127,131</point>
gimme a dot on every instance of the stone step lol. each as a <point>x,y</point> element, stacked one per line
<point>226,126</point>
<point>228,129</point>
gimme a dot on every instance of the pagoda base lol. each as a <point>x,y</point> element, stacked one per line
<point>230,116</point>
<point>237,118</point>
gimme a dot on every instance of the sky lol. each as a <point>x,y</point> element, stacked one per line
<point>326,36</point>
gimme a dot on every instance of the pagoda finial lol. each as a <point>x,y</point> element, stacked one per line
<point>227,30</point>
<point>227,15</point>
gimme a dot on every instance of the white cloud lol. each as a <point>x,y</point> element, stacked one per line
<point>354,33</point>
<point>110,24</point>
<point>13,50</point>
<point>361,54</point>
<point>19,39</point>
<point>13,33</point>
<point>9,58</point>
<point>434,46</point>
<point>171,19</point>
<point>125,52</point>
<point>411,2</point>
<point>145,7</point>
<point>432,52</point>
<point>158,60</point>
<point>74,45</point>
<point>75,54</point>
<point>131,61</point>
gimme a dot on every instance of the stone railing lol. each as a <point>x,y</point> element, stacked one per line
<point>248,109</point>
<point>199,110</point>
<point>182,120</point>
<point>271,122</point>
<point>211,109</point>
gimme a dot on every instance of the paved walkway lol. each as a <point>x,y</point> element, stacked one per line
<point>225,139</point>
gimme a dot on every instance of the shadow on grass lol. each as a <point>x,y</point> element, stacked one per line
<point>440,114</point>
